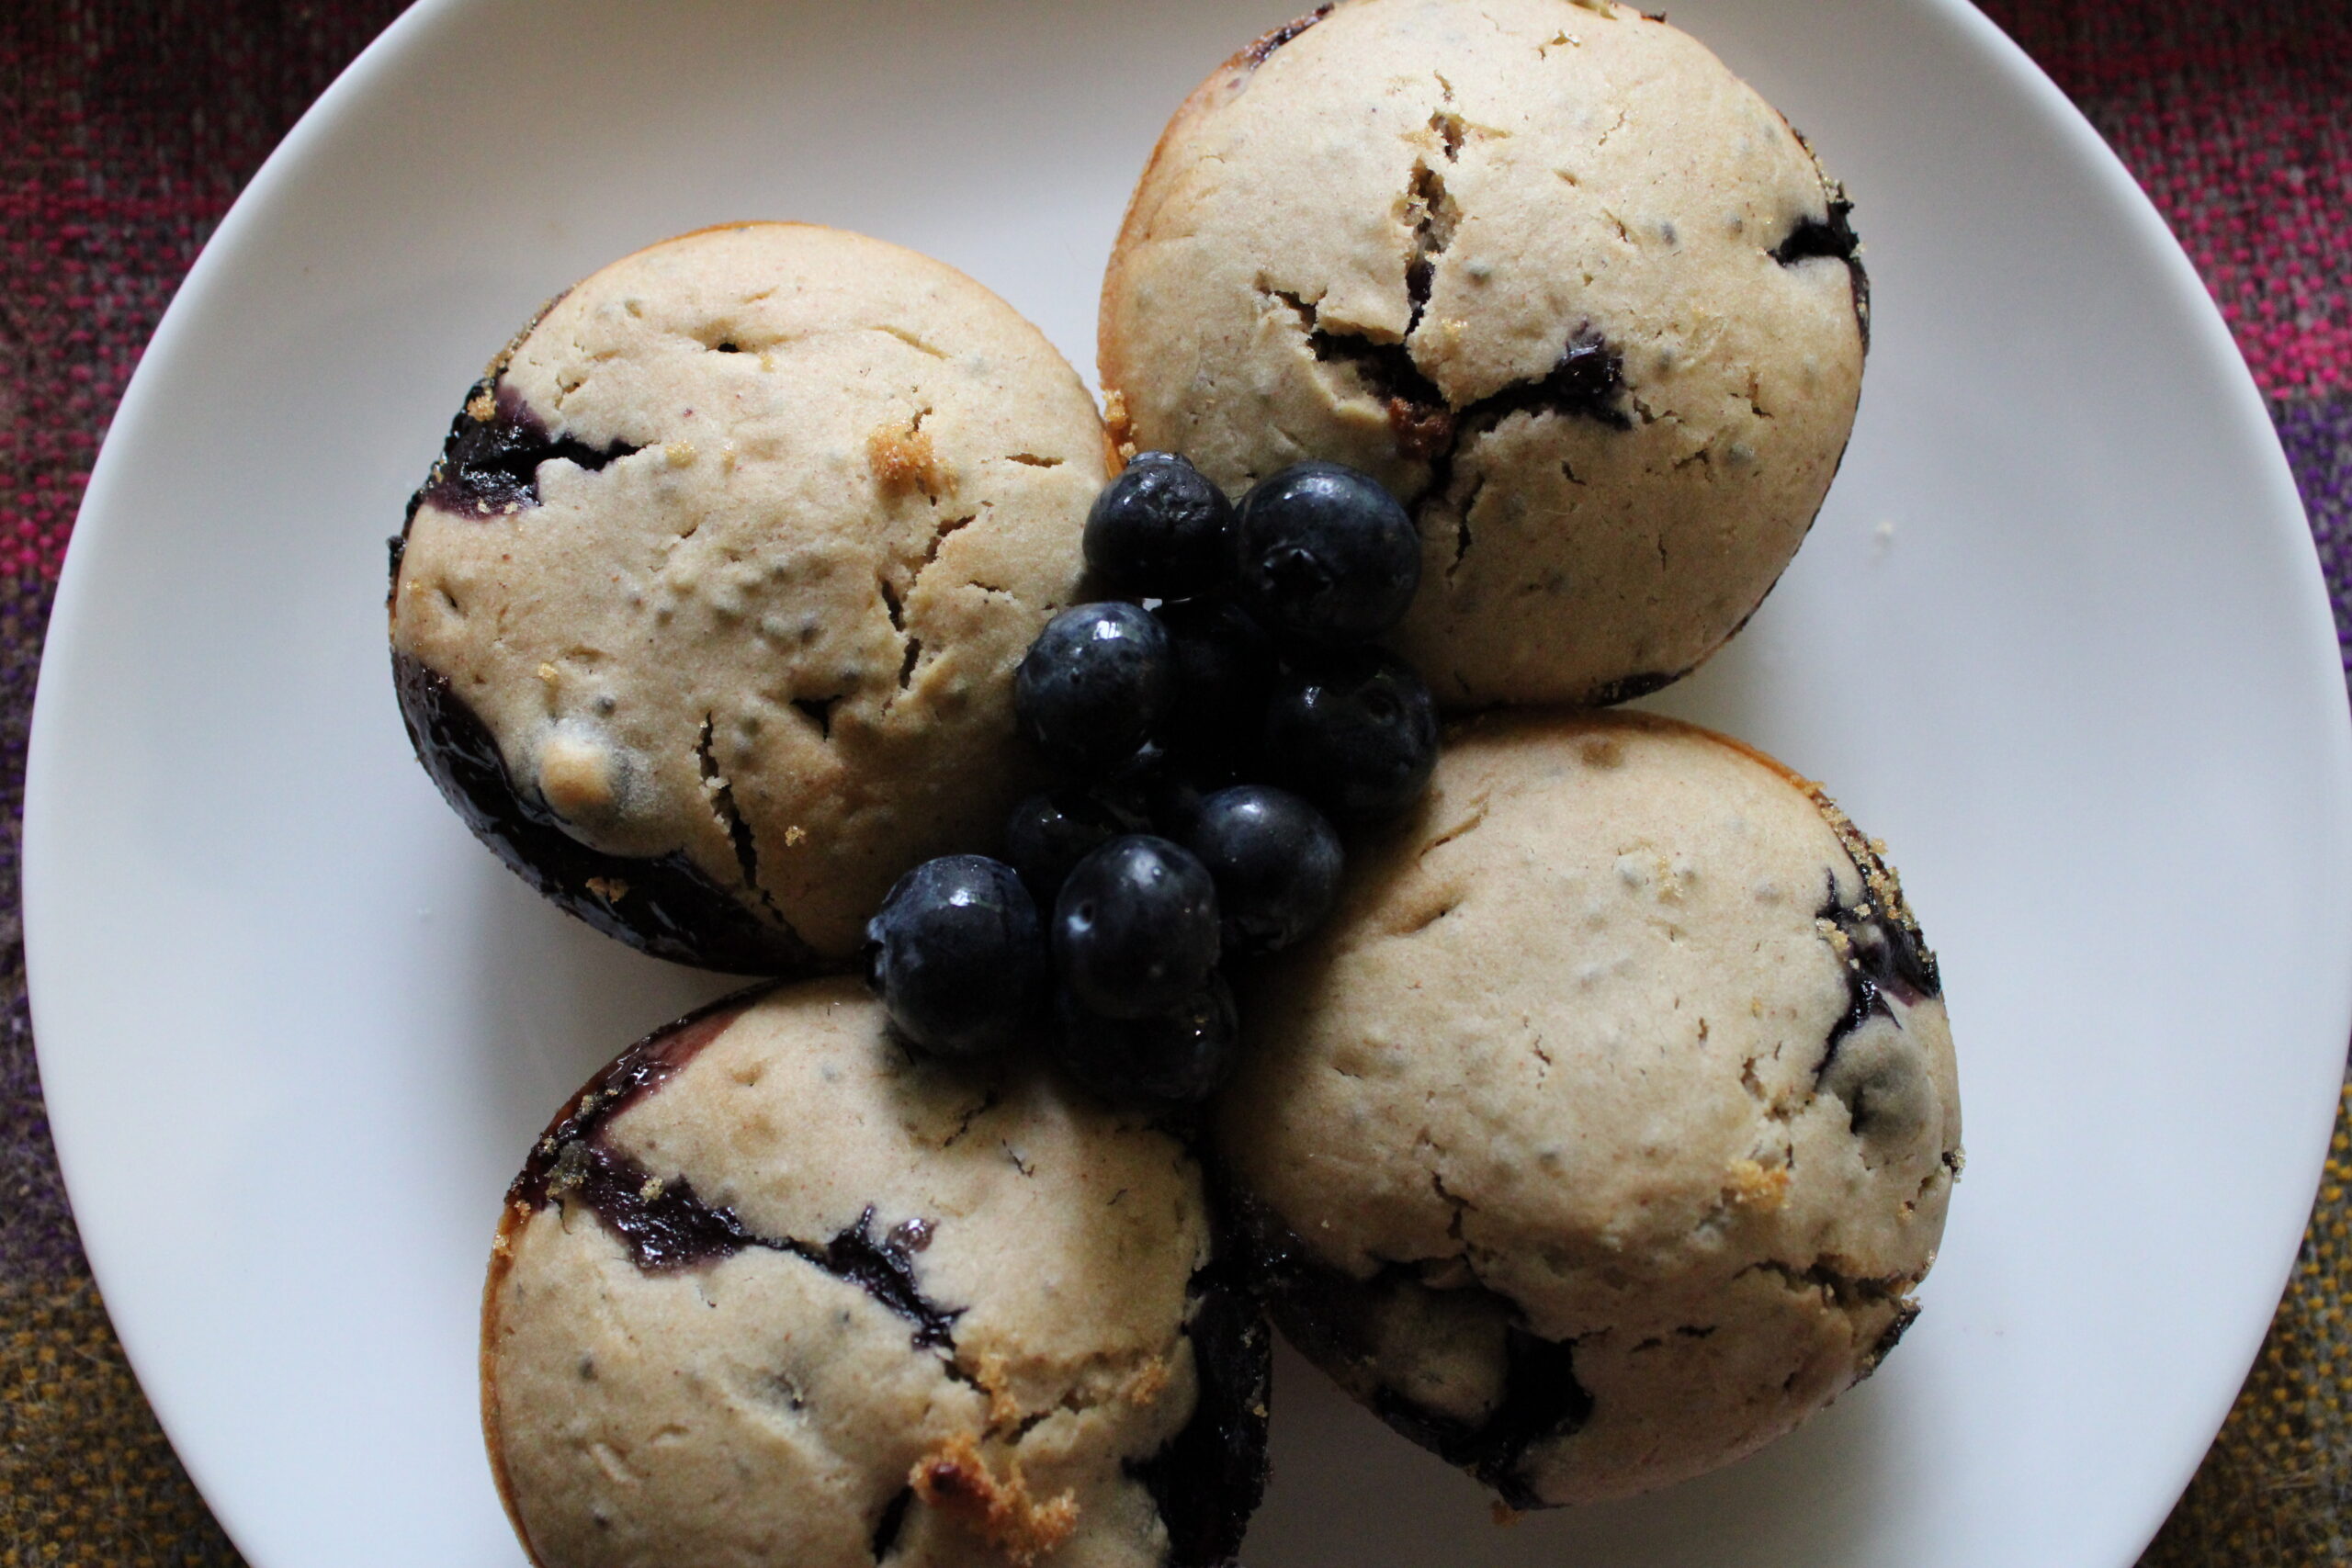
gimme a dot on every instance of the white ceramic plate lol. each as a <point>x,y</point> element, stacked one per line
<point>2059,637</point>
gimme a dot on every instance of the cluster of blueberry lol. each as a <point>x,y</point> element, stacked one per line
<point>1212,740</point>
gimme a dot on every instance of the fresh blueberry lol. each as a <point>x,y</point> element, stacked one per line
<point>1161,528</point>
<point>1275,862</point>
<point>1094,684</point>
<point>1224,664</point>
<point>1178,1058</point>
<point>1354,731</point>
<point>1325,555</point>
<point>1173,800</point>
<point>1049,833</point>
<point>956,954</point>
<point>1159,789</point>
<point>1163,789</point>
<point>1134,927</point>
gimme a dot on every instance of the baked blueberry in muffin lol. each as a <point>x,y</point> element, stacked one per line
<point>775,1291</point>
<point>1547,270</point>
<point>705,619</point>
<point>1605,1133</point>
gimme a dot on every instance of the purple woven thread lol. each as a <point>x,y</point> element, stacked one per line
<point>36,1233</point>
<point>2317,437</point>
<point>126,128</point>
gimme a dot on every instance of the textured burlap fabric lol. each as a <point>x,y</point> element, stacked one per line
<point>127,129</point>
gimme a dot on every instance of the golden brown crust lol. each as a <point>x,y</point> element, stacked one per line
<point>903,459</point>
<point>510,1216</point>
<point>955,1480</point>
<point>1118,440</point>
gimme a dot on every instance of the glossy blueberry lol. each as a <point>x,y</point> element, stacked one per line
<point>1225,666</point>
<point>1173,799</point>
<point>1161,529</point>
<point>1178,1058</point>
<point>1094,684</point>
<point>956,954</point>
<point>1049,833</point>
<point>1164,789</point>
<point>1134,927</point>
<point>1354,731</point>
<point>1275,860</point>
<point>1325,555</point>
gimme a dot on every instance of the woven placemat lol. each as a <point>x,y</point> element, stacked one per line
<point>127,128</point>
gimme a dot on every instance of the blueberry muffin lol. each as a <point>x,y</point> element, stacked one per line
<point>707,618</point>
<point>1549,271</point>
<point>774,1293</point>
<point>1606,1131</point>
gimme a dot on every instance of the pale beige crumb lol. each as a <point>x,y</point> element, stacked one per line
<point>792,593</point>
<point>1404,298</point>
<point>1563,966</point>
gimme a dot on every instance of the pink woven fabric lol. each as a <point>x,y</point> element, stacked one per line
<point>2235,119</point>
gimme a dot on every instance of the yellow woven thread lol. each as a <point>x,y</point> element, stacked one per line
<point>86,1480</point>
<point>2277,1490</point>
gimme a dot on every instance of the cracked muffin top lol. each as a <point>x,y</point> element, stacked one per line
<point>707,616</point>
<point>1605,1130</point>
<point>772,1293</point>
<point>1548,270</point>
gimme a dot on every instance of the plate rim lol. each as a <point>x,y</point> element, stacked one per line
<point>2235,378</point>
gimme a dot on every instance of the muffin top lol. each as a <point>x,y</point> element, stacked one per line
<point>726,569</point>
<point>1628,1047</point>
<point>771,1293</point>
<point>1548,270</point>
